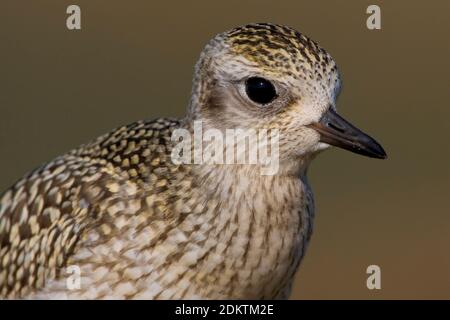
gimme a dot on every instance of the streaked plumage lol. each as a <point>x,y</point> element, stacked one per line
<point>140,226</point>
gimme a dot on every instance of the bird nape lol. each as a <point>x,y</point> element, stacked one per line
<point>133,221</point>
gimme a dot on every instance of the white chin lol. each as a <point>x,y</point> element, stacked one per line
<point>321,146</point>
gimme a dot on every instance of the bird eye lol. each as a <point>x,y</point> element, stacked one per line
<point>260,90</point>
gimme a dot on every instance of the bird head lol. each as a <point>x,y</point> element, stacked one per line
<point>271,76</point>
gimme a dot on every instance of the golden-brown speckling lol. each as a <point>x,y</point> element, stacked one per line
<point>43,216</point>
<point>140,226</point>
<point>280,48</point>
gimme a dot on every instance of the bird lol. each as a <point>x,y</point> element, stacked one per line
<point>136,224</point>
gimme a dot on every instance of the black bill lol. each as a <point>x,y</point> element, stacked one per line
<point>335,130</point>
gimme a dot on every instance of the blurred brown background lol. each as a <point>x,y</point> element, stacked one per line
<point>134,60</point>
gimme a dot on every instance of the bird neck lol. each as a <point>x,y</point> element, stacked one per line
<point>259,225</point>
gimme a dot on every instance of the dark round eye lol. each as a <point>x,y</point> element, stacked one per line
<point>260,90</point>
